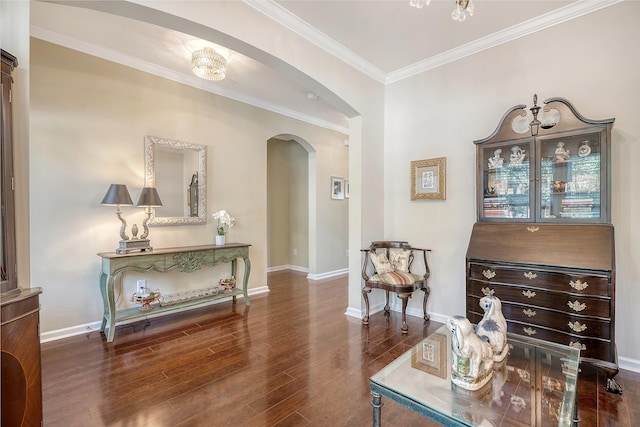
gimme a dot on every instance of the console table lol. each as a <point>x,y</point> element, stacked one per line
<point>185,259</point>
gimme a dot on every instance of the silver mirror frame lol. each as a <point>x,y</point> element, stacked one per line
<point>150,142</point>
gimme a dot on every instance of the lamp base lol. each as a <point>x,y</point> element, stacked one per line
<point>127,246</point>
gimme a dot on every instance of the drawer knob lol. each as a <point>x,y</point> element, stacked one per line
<point>529,275</point>
<point>578,285</point>
<point>529,331</point>
<point>577,326</point>
<point>577,345</point>
<point>488,292</point>
<point>489,274</point>
<point>528,312</point>
<point>576,305</point>
<point>533,229</point>
<point>528,293</point>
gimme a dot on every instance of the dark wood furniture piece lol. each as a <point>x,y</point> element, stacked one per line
<point>21,393</point>
<point>20,354</point>
<point>186,259</point>
<point>404,291</point>
<point>8,273</point>
<point>543,243</point>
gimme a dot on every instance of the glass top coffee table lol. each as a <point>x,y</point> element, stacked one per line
<point>535,385</point>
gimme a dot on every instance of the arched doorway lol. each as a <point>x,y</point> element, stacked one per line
<point>290,203</point>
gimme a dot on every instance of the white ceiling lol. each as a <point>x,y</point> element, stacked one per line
<point>385,39</point>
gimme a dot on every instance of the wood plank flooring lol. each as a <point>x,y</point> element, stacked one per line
<point>293,358</point>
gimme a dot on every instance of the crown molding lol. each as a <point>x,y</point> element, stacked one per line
<point>303,29</point>
<point>292,22</point>
<point>189,80</point>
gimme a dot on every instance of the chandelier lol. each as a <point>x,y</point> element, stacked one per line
<point>208,64</point>
<point>458,13</point>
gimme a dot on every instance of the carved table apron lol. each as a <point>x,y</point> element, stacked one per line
<point>185,259</point>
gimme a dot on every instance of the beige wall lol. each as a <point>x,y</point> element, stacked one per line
<point>88,121</point>
<point>288,205</point>
<point>593,62</point>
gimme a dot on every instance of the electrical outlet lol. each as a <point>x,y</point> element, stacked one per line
<point>346,254</point>
<point>142,286</point>
<point>295,252</point>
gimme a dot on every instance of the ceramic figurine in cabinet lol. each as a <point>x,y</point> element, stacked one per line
<point>562,154</point>
<point>493,327</point>
<point>496,161</point>
<point>472,357</point>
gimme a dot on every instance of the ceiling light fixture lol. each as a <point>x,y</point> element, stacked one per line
<point>208,64</point>
<point>458,13</point>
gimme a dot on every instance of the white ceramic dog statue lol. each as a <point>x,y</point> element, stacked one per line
<point>493,327</point>
<point>472,357</point>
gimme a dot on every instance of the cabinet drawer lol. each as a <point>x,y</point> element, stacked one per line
<point>589,347</point>
<point>574,304</point>
<point>566,281</point>
<point>562,322</point>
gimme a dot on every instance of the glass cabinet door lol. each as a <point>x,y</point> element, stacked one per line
<point>506,177</point>
<point>570,178</point>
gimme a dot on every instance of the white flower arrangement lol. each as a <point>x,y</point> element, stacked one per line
<point>225,221</point>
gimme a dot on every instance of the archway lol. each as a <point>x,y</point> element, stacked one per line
<point>290,204</point>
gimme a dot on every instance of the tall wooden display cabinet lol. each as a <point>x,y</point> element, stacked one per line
<point>543,243</point>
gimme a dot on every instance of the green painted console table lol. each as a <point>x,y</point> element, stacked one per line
<point>185,259</point>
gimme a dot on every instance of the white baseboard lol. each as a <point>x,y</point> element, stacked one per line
<point>95,326</point>
<point>629,364</point>
<point>287,267</point>
<point>310,276</point>
<point>328,274</point>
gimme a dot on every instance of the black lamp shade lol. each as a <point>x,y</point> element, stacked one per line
<point>117,194</point>
<point>149,197</point>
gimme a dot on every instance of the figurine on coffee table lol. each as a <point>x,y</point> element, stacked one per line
<point>472,357</point>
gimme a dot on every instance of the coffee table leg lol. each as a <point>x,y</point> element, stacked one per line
<point>376,402</point>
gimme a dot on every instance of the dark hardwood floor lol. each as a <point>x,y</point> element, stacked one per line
<point>292,359</point>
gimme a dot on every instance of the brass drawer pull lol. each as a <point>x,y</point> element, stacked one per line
<point>578,285</point>
<point>528,294</point>
<point>577,326</point>
<point>488,292</point>
<point>528,312</point>
<point>577,345</point>
<point>533,229</point>
<point>529,275</point>
<point>576,305</point>
<point>529,331</point>
<point>489,274</point>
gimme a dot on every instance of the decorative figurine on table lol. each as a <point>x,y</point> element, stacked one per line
<point>145,297</point>
<point>561,154</point>
<point>495,162</point>
<point>472,357</point>
<point>493,327</point>
<point>517,156</point>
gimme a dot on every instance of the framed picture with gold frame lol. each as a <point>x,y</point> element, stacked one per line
<point>430,355</point>
<point>428,179</point>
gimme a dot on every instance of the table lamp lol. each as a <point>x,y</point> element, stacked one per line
<point>148,198</point>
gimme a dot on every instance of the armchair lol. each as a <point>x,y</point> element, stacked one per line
<point>391,262</point>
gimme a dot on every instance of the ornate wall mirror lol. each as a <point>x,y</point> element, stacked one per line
<point>178,170</point>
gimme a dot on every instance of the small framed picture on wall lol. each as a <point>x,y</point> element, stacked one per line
<point>428,179</point>
<point>337,188</point>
